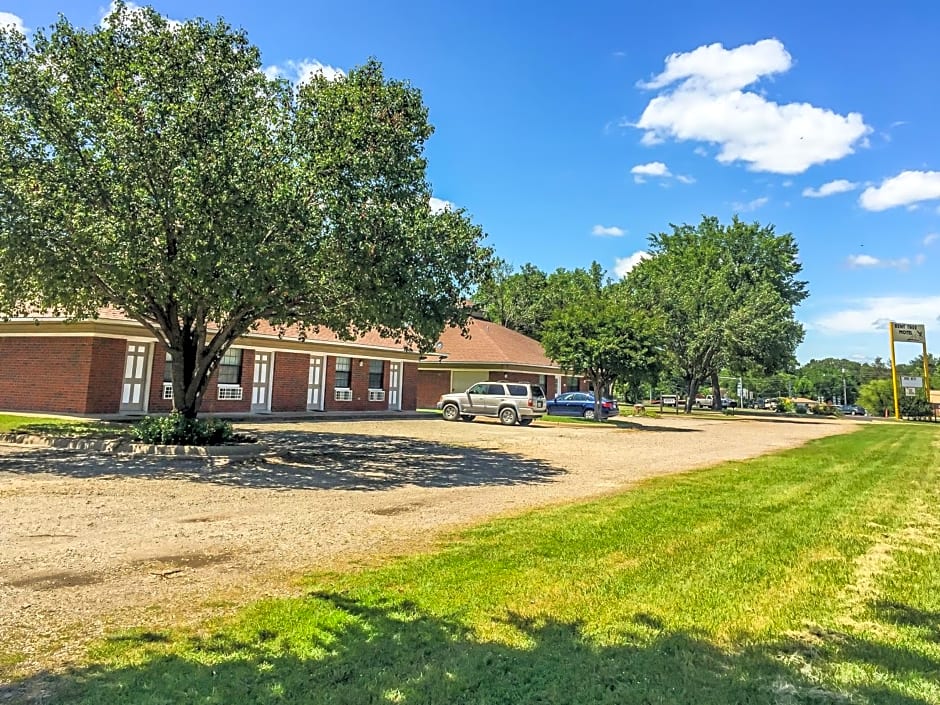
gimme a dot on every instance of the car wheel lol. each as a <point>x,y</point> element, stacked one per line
<point>450,412</point>
<point>467,417</point>
<point>507,417</point>
<point>588,414</point>
<point>525,422</point>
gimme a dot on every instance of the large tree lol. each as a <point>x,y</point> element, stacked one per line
<point>604,340</point>
<point>153,166</point>
<point>525,300</point>
<point>726,296</point>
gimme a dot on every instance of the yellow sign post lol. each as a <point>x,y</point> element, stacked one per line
<point>907,333</point>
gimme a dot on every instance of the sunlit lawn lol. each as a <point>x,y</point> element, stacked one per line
<point>810,576</point>
<point>58,426</point>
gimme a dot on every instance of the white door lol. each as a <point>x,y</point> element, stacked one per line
<point>133,396</point>
<point>394,386</point>
<point>315,384</point>
<point>261,384</point>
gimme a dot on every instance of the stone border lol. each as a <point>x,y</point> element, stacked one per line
<point>120,446</point>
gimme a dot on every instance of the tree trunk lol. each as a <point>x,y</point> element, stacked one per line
<point>599,385</point>
<point>691,393</point>
<point>716,392</point>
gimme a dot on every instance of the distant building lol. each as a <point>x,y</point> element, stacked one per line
<point>490,352</point>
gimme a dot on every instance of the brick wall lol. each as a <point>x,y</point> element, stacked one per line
<point>289,388</point>
<point>157,403</point>
<point>409,387</point>
<point>45,374</point>
<point>431,384</point>
<point>212,404</point>
<point>106,375</point>
<point>359,384</point>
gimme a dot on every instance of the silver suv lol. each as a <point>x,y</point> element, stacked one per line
<point>510,402</point>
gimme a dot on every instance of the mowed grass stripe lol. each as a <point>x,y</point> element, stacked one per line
<point>706,548</point>
<point>741,583</point>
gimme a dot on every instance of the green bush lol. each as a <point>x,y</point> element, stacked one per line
<point>823,409</point>
<point>176,429</point>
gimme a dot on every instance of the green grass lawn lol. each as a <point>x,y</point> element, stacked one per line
<point>58,426</point>
<point>810,576</point>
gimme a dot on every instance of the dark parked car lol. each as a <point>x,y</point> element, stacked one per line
<point>853,410</point>
<point>580,404</point>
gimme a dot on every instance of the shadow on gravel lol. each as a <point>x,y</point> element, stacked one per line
<point>307,460</point>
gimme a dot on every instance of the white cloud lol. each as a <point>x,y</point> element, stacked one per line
<point>651,169</point>
<point>906,188</point>
<point>439,205</point>
<point>608,231</point>
<point>871,315</point>
<point>931,238</point>
<point>8,19</point>
<point>710,105</point>
<point>659,170</point>
<point>830,189</point>
<point>303,71</point>
<point>862,261</point>
<point>750,205</point>
<point>623,265</point>
<point>867,261</point>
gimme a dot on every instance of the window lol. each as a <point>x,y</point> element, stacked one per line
<point>518,390</point>
<point>571,384</point>
<point>496,389</point>
<point>343,372</point>
<point>479,389</point>
<point>230,368</point>
<point>376,374</point>
<point>168,377</point>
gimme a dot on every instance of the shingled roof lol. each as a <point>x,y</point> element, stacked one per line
<point>491,343</point>
<point>371,339</point>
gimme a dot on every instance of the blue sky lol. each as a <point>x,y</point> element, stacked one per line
<point>571,132</point>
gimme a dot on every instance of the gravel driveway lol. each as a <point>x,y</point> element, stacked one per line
<point>92,543</point>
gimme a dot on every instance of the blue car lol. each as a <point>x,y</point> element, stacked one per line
<point>580,404</point>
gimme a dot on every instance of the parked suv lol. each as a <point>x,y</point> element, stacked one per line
<point>510,402</point>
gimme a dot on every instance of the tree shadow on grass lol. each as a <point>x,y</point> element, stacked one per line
<point>329,649</point>
<point>309,461</point>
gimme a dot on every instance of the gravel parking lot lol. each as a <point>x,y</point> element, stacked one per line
<point>91,543</point>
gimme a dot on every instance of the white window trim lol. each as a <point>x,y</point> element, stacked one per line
<point>342,394</point>
<point>229,392</point>
<point>376,395</point>
<point>167,390</point>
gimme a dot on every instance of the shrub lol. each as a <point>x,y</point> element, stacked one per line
<point>176,429</point>
<point>823,409</point>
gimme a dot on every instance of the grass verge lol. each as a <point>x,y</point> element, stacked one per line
<point>809,576</point>
<point>53,426</point>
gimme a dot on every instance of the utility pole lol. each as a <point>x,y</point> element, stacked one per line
<point>845,399</point>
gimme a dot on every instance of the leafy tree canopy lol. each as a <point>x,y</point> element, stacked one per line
<point>153,166</point>
<point>726,296</point>
<point>527,299</point>
<point>604,340</point>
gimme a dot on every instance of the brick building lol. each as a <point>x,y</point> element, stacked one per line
<point>491,352</point>
<point>113,365</point>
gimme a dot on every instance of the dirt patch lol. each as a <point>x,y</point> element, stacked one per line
<point>92,544</point>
